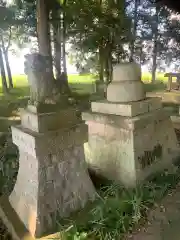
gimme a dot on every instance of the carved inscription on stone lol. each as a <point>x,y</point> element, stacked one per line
<point>149,157</point>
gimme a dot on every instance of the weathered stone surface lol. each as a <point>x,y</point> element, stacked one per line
<point>36,143</point>
<point>53,180</point>
<point>42,193</point>
<point>127,91</point>
<point>126,85</point>
<point>127,71</point>
<point>130,151</point>
<point>15,226</point>
<point>126,122</point>
<point>130,109</point>
<point>129,139</point>
<point>44,122</point>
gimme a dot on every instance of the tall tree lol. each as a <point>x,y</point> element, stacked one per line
<point>6,57</point>
<point>134,32</point>
<point>3,74</point>
<point>43,31</point>
<point>57,42</point>
<point>155,43</point>
<point>99,27</point>
<point>7,20</point>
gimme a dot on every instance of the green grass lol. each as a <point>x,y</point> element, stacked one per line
<point>117,210</point>
<point>81,83</point>
<point>21,80</point>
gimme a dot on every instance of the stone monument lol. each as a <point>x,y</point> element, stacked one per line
<point>53,180</point>
<point>130,136</point>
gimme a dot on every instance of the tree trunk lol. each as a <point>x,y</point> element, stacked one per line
<point>108,69</point>
<point>132,44</point>
<point>57,43</point>
<point>101,65</point>
<point>6,58</point>
<point>8,69</point>
<point>43,30</point>
<point>108,61</point>
<point>3,74</point>
<point>140,54</point>
<point>64,46</point>
<point>64,77</point>
<point>155,47</point>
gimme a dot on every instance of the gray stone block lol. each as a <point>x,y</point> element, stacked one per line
<point>130,109</point>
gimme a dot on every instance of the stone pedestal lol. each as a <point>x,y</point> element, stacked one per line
<point>52,180</point>
<point>128,141</point>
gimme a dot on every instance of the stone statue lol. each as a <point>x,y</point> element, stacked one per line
<point>43,88</point>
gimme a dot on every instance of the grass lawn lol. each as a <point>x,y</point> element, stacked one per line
<point>21,80</point>
<point>79,83</point>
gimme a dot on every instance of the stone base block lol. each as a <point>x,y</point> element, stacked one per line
<point>53,180</point>
<point>14,225</point>
<point>44,122</point>
<point>128,150</point>
<point>129,109</point>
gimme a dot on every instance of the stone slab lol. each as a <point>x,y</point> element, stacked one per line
<point>45,108</point>
<point>35,143</point>
<point>14,225</point>
<point>129,123</point>
<point>130,109</point>
<point>44,122</point>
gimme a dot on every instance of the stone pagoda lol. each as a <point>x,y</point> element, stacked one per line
<point>130,136</point>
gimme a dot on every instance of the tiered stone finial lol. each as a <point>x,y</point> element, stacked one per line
<point>126,85</point>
